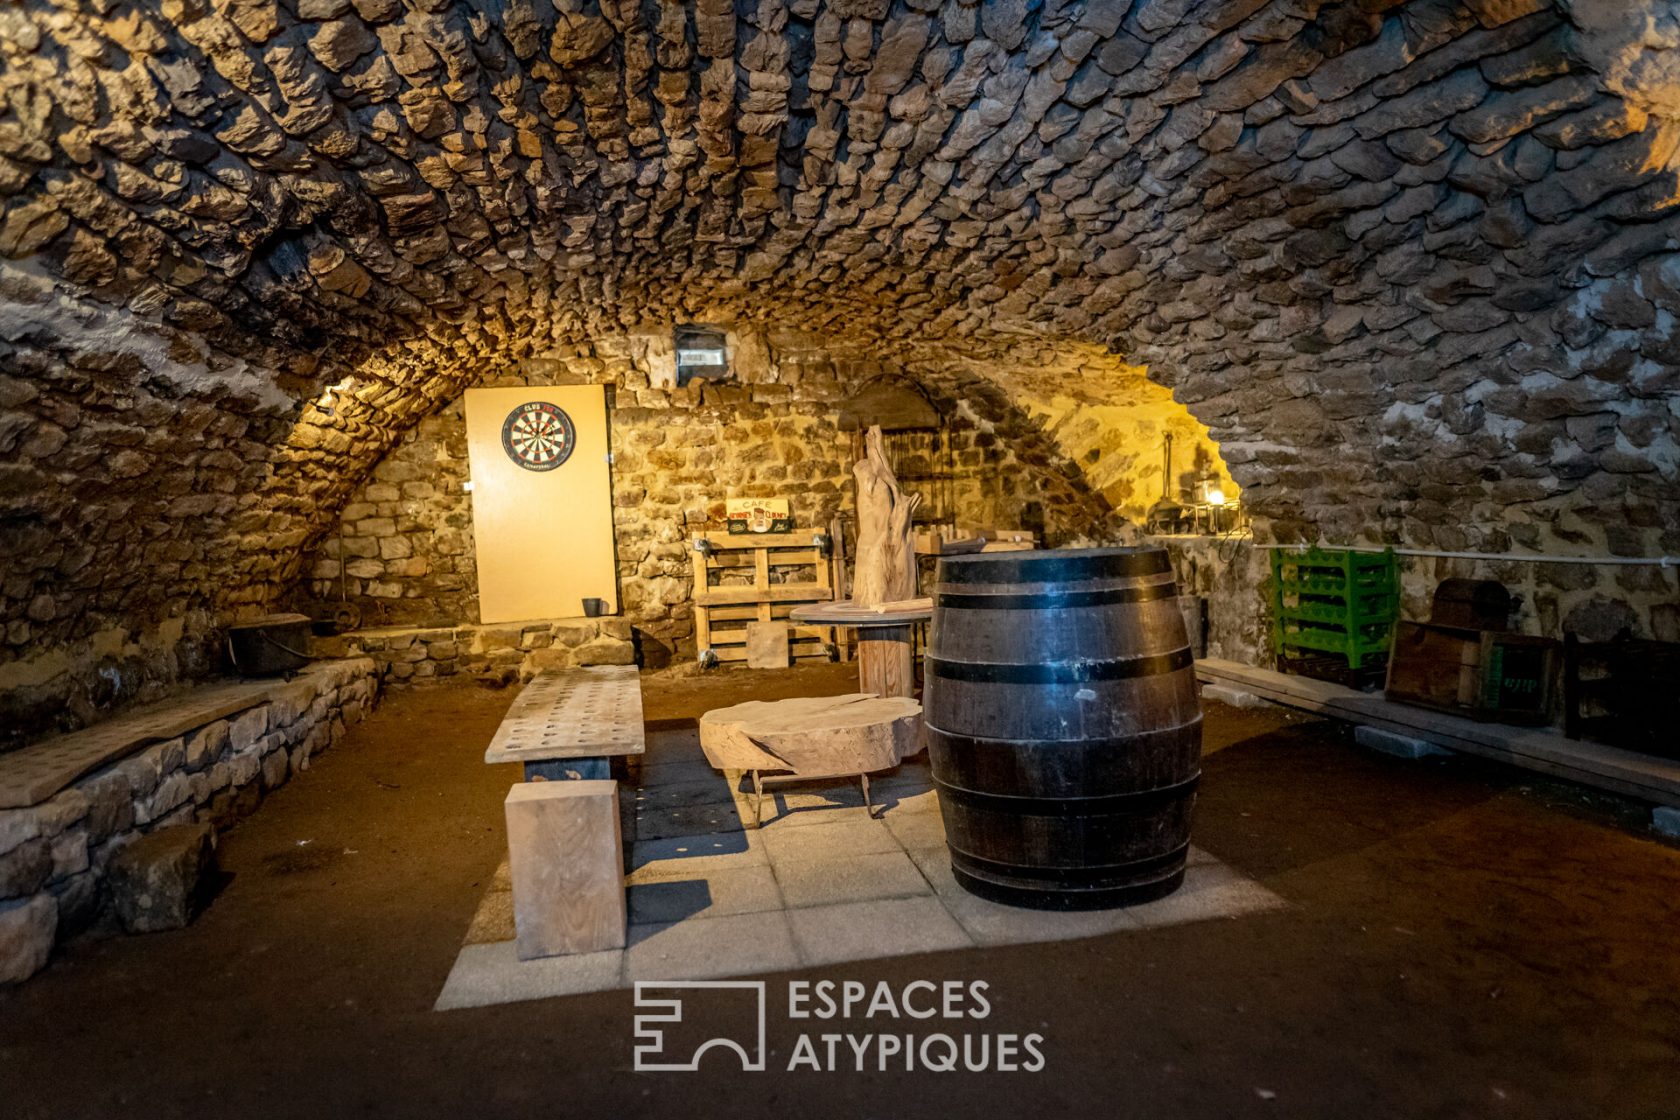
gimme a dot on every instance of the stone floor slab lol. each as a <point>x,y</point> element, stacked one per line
<point>822,882</point>
<point>802,812</point>
<point>850,837</point>
<point>914,776</point>
<point>709,948</point>
<point>855,931</point>
<point>915,829</point>
<point>698,855</point>
<point>991,923</point>
<point>686,820</point>
<point>710,790</point>
<point>853,878</point>
<point>673,896</point>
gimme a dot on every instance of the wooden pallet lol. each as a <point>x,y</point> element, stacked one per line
<point>724,606</point>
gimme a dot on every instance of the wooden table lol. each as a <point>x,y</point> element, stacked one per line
<point>885,656</point>
<point>811,738</point>
<point>568,723</point>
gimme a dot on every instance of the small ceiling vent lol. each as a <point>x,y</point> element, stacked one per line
<point>702,352</point>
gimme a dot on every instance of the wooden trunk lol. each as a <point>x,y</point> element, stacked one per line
<point>1064,725</point>
<point>886,665</point>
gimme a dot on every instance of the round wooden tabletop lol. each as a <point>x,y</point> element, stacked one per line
<point>848,613</point>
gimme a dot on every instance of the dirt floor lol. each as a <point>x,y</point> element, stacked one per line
<point>1460,941</point>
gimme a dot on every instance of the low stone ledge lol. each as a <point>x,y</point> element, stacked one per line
<point>408,654</point>
<point>55,857</point>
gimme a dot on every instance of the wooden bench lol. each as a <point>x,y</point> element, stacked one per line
<point>564,844</point>
<point>35,773</point>
<point>569,724</point>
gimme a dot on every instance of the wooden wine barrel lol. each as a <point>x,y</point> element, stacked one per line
<point>1064,725</point>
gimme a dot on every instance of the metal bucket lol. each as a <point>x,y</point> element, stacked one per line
<point>269,646</point>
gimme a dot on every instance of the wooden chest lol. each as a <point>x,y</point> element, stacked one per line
<point>1486,674</point>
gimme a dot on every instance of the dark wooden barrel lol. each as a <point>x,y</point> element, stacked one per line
<point>1064,725</point>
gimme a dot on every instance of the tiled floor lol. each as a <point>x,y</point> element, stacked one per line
<point>821,882</point>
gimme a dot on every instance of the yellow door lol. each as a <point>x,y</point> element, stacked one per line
<point>541,501</point>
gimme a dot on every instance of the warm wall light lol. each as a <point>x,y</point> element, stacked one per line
<point>328,400</point>
<point>1215,496</point>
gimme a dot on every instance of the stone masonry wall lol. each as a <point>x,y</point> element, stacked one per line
<point>503,652</point>
<point>1594,602</point>
<point>407,543</point>
<point>53,856</point>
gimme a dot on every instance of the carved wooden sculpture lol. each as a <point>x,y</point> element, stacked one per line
<point>885,569</point>
<point>886,556</point>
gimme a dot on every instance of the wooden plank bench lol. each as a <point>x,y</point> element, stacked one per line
<point>35,773</point>
<point>1620,771</point>
<point>571,723</point>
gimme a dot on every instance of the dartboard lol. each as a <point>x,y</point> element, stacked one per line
<point>538,436</point>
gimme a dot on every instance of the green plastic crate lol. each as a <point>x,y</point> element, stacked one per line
<point>1335,601</point>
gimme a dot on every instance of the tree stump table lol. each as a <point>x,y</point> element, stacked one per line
<point>886,665</point>
<point>812,737</point>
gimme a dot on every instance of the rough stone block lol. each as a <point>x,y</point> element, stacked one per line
<point>606,651</point>
<point>62,811</point>
<point>18,826</point>
<point>173,792</point>
<point>25,869</point>
<point>247,728</point>
<point>290,701</point>
<point>574,633</point>
<point>1400,746</point>
<point>27,929</point>
<point>244,769</point>
<point>206,745</point>
<point>69,854</point>
<point>1235,697</point>
<point>159,881</point>
<point>110,804</point>
<point>276,767</point>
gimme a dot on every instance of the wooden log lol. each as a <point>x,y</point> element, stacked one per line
<point>566,859</point>
<point>821,735</point>
<point>885,663</point>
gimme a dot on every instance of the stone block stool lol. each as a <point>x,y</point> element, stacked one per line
<point>567,865</point>
<point>162,879</point>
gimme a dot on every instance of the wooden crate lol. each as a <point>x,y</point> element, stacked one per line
<point>1625,693</point>
<point>741,579</point>
<point>1485,674</point>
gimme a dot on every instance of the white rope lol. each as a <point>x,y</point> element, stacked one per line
<point>1524,558</point>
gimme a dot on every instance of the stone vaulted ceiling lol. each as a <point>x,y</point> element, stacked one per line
<point>1412,262</point>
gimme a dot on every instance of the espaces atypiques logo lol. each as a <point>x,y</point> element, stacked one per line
<point>834,1026</point>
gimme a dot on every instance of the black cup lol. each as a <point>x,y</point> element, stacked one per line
<point>594,608</point>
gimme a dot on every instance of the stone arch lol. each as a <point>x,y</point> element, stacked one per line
<point>1412,264</point>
